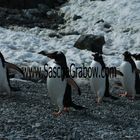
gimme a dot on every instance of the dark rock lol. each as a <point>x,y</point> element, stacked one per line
<point>31,17</point>
<point>55,35</point>
<point>69,33</point>
<point>101,20</point>
<point>43,8</point>
<point>90,42</point>
<point>32,12</point>
<point>51,14</point>
<point>61,1</point>
<point>2,14</point>
<point>54,26</point>
<point>12,3</point>
<point>97,0</point>
<point>25,4</point>
<point>107,25</point>
<point>75,17</point>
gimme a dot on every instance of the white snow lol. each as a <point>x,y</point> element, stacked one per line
<point>21,47</point>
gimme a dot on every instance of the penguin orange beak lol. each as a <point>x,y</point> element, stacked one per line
<point>50,55</point>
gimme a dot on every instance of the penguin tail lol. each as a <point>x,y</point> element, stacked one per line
<point>77,107</point>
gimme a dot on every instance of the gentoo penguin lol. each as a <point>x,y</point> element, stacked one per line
<point>137,59</point>
<point>59,87</point>
<point>130,80</point>
<point>100,83</point>
<point>5,86</point>
<point>137,62</point>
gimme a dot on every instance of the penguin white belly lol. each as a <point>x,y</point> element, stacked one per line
<point>128,79</point>
<point>4,85</point>
<point>98,82</point>
<point>56,87</point>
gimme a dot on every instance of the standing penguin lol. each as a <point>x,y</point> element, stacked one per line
<point>100,83</point>
<point>4,80</point>
<point>130,80</point>
<point>137,60</point>
<point>59,86</point>
<point>5,86</point>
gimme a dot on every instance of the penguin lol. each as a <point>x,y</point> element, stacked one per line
<point>60,86</point>
<point>130,80</point>
<point>5,86</point>
<point>137,60</point>
<point>100,83</point>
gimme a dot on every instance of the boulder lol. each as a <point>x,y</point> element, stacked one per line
<point>90,42</point>
<point>76,17</point>
<point>23,4</point>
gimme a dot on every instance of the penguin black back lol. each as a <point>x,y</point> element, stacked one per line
<point>67,96</point>
<point>136,56</point>
<point>60,59</point>
<point>67,101</point>
<point>2,59</point>
<point>128,58</point>
<point>7,72</point>
<point>99,58</point>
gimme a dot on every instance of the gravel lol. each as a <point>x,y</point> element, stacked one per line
<point>27,115</point>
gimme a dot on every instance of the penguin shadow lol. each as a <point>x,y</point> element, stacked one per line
<point>105,115</point>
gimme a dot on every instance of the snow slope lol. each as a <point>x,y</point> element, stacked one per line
<point>21,47</point>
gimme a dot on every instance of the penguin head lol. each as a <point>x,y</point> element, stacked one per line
<point>58,56</point>
<point>2,59</point>
<point>127,55</point>
<point>97,57</point>
<point>136,56</point>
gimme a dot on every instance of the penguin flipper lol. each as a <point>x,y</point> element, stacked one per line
<point>118,84</point>
<point>71,82</point>
<point>13,66</point>
<point>119,73</point>
<point>137,71</point>
<point>114,72</point>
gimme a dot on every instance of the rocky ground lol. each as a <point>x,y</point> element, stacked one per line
<point>28,116</point>
<point>41,15</point>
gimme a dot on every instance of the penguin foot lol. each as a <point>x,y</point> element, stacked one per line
<point>129,96</point>
<point>56,114</point>
<point>132,98</point>
<point>99,101</point>
<point>66,109</point>
<point>123,94</point>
